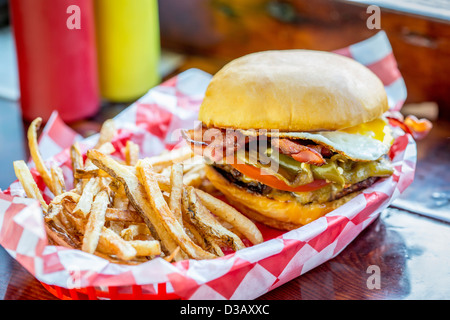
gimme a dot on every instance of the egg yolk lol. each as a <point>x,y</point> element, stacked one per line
<point>377,129</point>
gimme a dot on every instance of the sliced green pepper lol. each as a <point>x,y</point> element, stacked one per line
<point>330,172</point>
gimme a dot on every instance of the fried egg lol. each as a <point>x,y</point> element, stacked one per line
<point>365,142</point>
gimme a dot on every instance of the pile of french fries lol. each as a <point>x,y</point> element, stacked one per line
<point>132,210</point>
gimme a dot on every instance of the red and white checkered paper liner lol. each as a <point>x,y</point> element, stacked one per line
<point>152,122</point>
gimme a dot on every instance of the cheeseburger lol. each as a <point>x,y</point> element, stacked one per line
<point>291,135</point>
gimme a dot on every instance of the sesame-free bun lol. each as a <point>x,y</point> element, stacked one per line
<point>293,90</point>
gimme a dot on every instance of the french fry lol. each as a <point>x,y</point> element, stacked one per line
<point>115,214</point>
<point>58,183</point>
<point>53,213</point>
<point>29,185</point>
<point>111,243</point>
<point>195,175</point>
<point>222,210</point>
<point>95,222</point>
<point>204,220</point>
<point>166,171</point>
<point>193,179</point>
<point>78,223</point>
<point>137,196</point>
<point>195,235</point>
<point>191,165</point>
<point>74,197</point>
<point>121,200</point>
<point>57,204</point>
<point>36,154</point>
<point>68,225</point>
<point>232,216</point>
<point>107,132</point>
<point>176,188</point>
<point>131,153</point>
<point>90,190</point>
<point>134,230</point>
<point>194,167</point>
<point>164,214</point>
<point>59,218</point>
<point>167,159</point>
<point>77,161</point>
<point>116,226</point>
<point>105,147</point>
<point>146,247</point>
<point>204,240</point>
<point>215,247</point>
<point>55,238</point>
<point>172,256</point>
<point>89,172</point>
<point>134,210</point>
<point>208,187</point>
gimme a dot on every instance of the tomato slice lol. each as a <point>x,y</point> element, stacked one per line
<point>272,181</point>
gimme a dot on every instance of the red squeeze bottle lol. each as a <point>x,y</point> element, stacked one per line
<point>57,58</point>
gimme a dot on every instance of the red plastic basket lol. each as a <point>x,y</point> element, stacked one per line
<point>112,293</point>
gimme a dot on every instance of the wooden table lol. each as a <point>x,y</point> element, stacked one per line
<point>410,250</point>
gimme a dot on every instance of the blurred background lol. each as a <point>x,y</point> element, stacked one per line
<point>89,59</point>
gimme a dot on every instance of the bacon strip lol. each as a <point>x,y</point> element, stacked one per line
<point>215,143</point>
<point>312,154</point>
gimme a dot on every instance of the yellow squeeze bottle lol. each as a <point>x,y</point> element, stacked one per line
<point>128,46</point>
